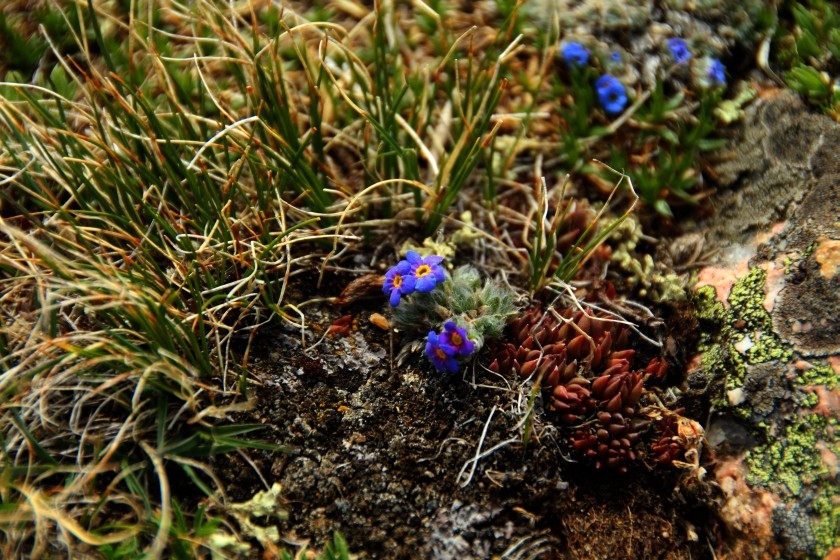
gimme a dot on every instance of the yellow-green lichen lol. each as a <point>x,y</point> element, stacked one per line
<point>794,460</point>
<point>783,463</point>
<point>827,523</point>
<point>707,307</point>
<point>820,374</point>
<point>810,400</point>
<point>747,301</point>
<point>745,337</point>
<point>711,313</point>
<point>735,368</point>
<point>748,313</point>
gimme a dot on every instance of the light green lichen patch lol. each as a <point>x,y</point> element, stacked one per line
<point>718,354</point>
<point>745,337</point>
<point>747,301</point>
<point>795,460</point>
<point>826,508</point>
<point>783,464</point>
<point>707,308</point>
<point>820,374</point>
<point>810,400</point>
<point>749,318</point>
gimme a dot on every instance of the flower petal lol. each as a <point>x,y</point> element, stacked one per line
<point>395,297</point>
<point>433,339</point>
<point>468,347</point>
<point>451,365</point>
<point>408,284</point>
<point>425,283</point>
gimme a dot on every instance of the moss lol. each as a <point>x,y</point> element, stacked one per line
<point>667,287</point>
<point>731,110</point>
<point>809,250</point>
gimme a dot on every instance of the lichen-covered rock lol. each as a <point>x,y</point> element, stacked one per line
<point>776,353</point>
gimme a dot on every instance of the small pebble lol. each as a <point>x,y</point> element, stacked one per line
<point>380,321</point>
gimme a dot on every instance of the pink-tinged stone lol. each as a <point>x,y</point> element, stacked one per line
<point>694,363</point>
<point>834,362</point>
<point>743,346</point>
<point>767,234</point>
<point>828,458</point>
<point>721,279</point>
<point>827,254</point>
<point>746,509</point>
<point>774,283</point>
<point>829,400</point>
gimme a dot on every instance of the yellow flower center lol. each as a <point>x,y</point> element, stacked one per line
<point>456,339</point>
<point>441,354</point>
<point>422,270</point>
<point>397,280</point>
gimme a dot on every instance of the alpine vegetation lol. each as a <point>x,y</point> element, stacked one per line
<point>451,316</point>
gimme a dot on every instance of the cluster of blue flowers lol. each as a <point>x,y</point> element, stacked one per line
<point>443,349</point>
<point>611,92</point>
<point>422,274</point>
<point>413,274</point>
<point>715,71</point>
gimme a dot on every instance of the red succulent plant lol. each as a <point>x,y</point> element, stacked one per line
<point>585,368</point>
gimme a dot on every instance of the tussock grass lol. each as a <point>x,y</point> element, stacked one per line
<point>157,183</point>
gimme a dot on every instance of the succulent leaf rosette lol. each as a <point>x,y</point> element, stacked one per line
<point>589,382</point>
